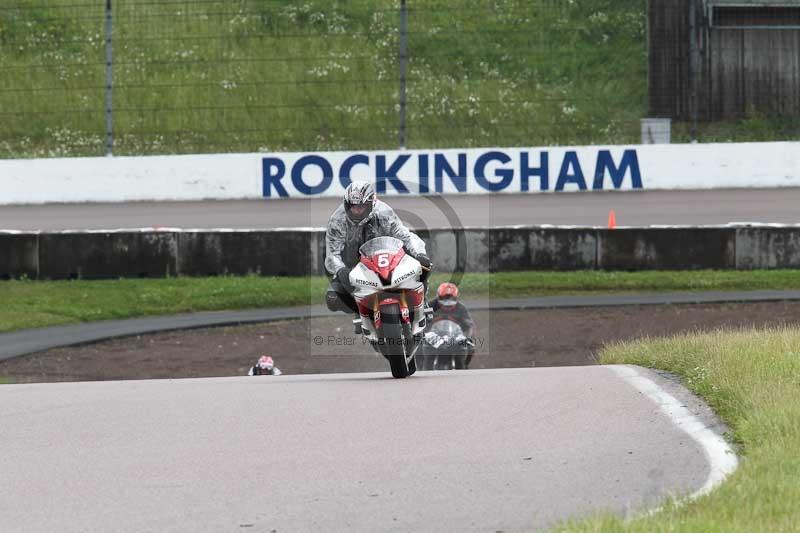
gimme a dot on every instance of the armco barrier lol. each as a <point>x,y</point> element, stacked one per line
<point>300,252</point>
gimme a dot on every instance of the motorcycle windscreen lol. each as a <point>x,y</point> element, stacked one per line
<point>446,328</point>
<point>380,245</point>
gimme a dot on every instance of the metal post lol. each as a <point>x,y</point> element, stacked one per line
<point>109,81</point>
<point>403,67</point>
<point>693,104</point>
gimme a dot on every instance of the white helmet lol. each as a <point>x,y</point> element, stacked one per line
<point>359,199</point>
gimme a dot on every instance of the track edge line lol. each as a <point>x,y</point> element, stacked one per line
<point>720,455</point>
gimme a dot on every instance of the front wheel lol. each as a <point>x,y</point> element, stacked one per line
<point>394,346</point>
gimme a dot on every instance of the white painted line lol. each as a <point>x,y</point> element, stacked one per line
<point>720,455</point>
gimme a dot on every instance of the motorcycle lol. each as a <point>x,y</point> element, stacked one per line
<point>446,347</point>
<point>391,300</point>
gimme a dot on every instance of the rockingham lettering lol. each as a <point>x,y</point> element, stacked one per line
<point>454,171</point>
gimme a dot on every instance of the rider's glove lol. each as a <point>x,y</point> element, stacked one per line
<point>343,275</point>
<point>425,261</point>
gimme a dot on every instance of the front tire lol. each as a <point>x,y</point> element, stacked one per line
<point>394,345</point>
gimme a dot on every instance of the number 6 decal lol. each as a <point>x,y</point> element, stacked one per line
<point>383,260</point>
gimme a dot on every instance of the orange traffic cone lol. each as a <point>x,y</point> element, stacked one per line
<point>612,219</point>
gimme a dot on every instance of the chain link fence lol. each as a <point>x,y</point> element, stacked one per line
<point>134,77</point>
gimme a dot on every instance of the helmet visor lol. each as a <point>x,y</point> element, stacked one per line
<point>358,212</point>
<point>448,301</point>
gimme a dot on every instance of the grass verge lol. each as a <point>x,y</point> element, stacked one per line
<point>208,76</point>
<point>751,378</point>
<point>253,75</point>
<point>29,304</point>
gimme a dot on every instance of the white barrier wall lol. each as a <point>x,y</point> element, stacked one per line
<point>468,171</point>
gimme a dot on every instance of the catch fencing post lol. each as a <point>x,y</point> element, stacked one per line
<point>693,104</point>
<point>109,81</point>
<point>403,66</point>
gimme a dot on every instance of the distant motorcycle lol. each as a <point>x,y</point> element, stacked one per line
<point>446,347</point>
<point>390,298</point>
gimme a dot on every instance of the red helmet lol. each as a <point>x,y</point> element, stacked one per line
<point>447,293</point>
<point>265,362</point>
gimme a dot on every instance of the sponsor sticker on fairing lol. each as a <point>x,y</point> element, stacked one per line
<point>404,276</point>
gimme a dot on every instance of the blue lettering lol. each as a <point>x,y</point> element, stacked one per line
<point>312,160</point>
<point>347,168</point>
<point>423,174</point>
<point>273,171</point>
<point>605,163</point>
<point>576,177</point>
<point>390,174</point>
<point>542,171</point>
<point>506,174</point>
<point>441,167</point>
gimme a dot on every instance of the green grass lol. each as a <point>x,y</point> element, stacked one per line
<point>250,75</point>
<point>753,127</point>
<point>29,304</point>
<point>751,378</point>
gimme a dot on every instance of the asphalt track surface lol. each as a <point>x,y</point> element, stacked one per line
<point>485,450</point>
<point>490,450</point>
<point>639,208</point>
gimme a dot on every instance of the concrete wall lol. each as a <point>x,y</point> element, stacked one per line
<point>19,255</point>
<point>96,255</point>
<point>476,171</point>
<point>666,249</point>
<point>768,247</point>
<point>275,253</point>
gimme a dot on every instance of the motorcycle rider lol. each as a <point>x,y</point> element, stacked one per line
<point>447,307</point>
<point>359,218</point>
<point>265,366</point>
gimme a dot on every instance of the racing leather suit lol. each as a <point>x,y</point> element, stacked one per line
<point>344,237</point>
<point>256,370</point>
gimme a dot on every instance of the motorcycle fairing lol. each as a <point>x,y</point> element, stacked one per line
<point>386,274</point>
<point>406,273</point>
<point>365,281</point>
<point>384,263</point>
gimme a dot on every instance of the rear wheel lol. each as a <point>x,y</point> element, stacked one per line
<point>394,345</point>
